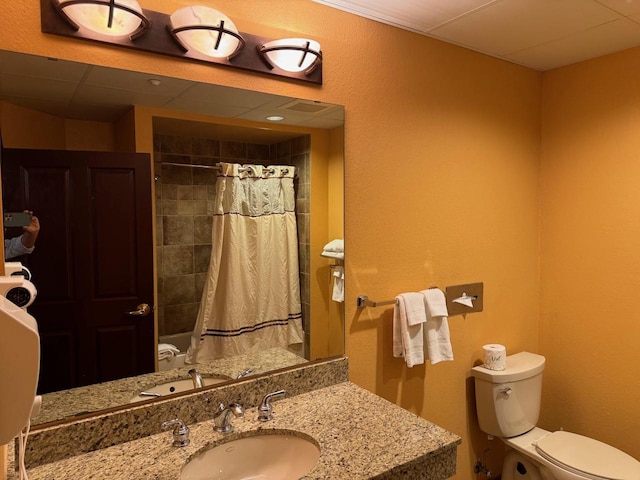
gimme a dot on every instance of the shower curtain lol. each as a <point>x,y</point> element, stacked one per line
<point>251,297</point>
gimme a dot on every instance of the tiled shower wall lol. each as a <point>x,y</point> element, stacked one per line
<point>184,196</point>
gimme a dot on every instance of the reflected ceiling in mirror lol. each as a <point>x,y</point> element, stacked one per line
<point>90,92</point>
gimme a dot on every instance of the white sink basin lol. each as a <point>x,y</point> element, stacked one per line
<point>277,456</point>
<point>175,386</point>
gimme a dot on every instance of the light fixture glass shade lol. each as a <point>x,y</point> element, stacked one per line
<point>206,31</point>
<point>115,18</point>
<point>293,54</point>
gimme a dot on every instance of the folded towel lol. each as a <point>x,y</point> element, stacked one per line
<point>166,355</point>
<point>166,351</point>
<point>414,308</point>
<point>162,347</point>
<point>336,245</point>
<point>408,337</point>
<point>339,255</point>
<point>338,284</point>
<point>436,329</point>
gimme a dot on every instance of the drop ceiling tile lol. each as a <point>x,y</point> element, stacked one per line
<point>42,67</point>
<point>601,40</point>
<point>198,105</point>
<point>419,15</point>
<point>34,87</point>
<point>135,81</point>
<point>94,95</point>
<point>335,113</point>
<point>513,25</point>
<point>217,94</point>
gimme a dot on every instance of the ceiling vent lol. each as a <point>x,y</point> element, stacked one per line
<point>307,106</point>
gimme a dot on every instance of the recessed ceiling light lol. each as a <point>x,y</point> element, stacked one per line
<point>275,118</point>
<point>154,81</point>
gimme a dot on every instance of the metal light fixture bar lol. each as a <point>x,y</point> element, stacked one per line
<point>156,38</point>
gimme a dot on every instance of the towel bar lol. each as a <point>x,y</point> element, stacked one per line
<point>363,302</point>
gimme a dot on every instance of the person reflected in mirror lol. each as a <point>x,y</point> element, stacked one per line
<point>25,243</point>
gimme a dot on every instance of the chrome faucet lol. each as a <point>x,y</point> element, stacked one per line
<point>264,409</point>
<point>222,418</point>
<point>197,378</point>
<point>180,433</point>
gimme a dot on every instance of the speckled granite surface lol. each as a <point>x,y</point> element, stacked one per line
<point>361,436</point>
<point>143,419</point>
<point>92,398</point>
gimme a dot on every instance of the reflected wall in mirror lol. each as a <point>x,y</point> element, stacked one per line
<point>60,105</point>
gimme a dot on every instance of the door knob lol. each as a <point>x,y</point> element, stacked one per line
<point>141,310</point>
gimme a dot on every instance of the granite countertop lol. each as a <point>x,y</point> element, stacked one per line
<point>361,436</point>
<point>82,400</point>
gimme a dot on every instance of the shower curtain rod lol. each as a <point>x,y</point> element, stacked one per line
<point>215,167</point>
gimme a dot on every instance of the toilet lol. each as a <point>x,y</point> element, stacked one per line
<point>508,405</point>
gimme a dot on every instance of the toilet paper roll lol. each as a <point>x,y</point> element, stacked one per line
<point>495,356</point>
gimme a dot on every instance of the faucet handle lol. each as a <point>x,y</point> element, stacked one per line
<point>235,408</point>
<point>264,409</point>
<point>180,432</point>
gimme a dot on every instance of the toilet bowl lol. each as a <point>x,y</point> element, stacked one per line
<point>565,456</point>
<point>508,406</point>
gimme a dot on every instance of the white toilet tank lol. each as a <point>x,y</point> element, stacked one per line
<point>508,401</point>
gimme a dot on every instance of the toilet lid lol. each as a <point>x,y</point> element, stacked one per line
<point>585,455</point>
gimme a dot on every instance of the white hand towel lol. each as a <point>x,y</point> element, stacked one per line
<point>408,339</point>
<point>414,308</point>
<point>436,329</point>
<point>338,284</point>
<point>436,303</point>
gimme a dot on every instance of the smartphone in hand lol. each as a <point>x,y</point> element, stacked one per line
<point>16,219</point>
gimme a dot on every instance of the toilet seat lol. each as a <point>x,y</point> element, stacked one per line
<point>587,457</point>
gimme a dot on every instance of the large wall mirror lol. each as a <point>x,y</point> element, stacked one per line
<point>55,115</point>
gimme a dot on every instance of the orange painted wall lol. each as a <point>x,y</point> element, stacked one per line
<point>27,128</point>
<point>82,135</point>
<point>590,237</point>
<point>18,132</point>
<point>441,178</point>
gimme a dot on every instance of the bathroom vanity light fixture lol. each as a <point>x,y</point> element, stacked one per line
<point>113,18</point>
<point>206,31</point>
<point>194,32</point>
<point>292,54</point>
